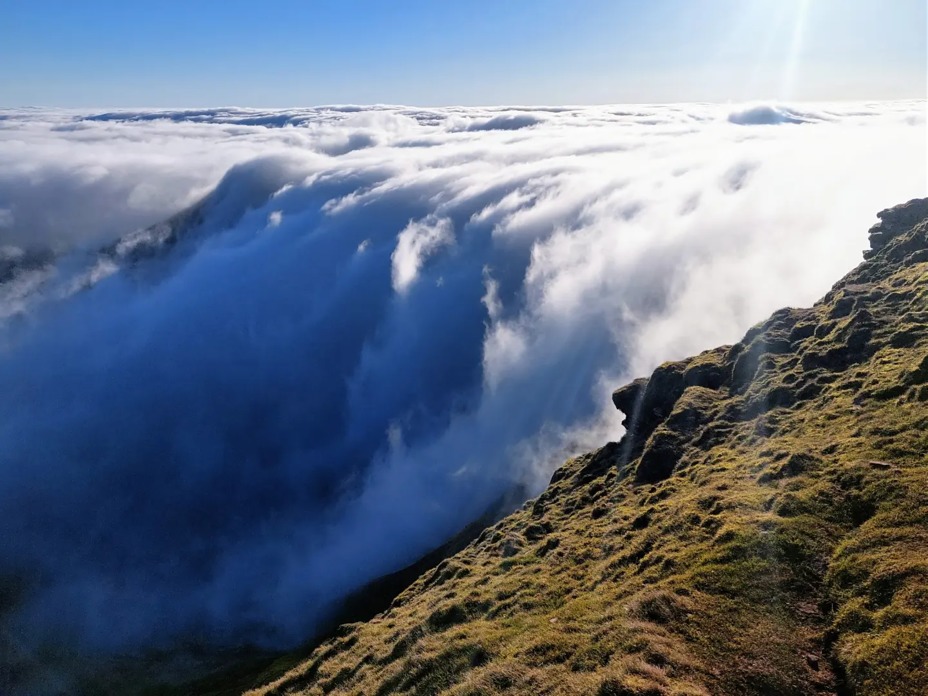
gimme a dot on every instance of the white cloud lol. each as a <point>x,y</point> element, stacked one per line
<point>330,414</point>
<point>414,245</point>
<point>274,218</point>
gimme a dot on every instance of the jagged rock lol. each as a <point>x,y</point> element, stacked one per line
<point>752,541</point>
<point>851,344</point>
<point>657,430</point>
<point>602,460</point>
<point>647,403</point>
<point>894,221</point>
<point>762,401</point>
<point>664,388</point>
<point>661,454</point>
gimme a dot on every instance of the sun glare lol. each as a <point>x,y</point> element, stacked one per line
<point>793,56</point>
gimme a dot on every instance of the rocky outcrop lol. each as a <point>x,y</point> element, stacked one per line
<point>659,421</point>
<point>895,221</point>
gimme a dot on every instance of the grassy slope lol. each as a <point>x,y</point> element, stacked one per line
<point>761,529</point>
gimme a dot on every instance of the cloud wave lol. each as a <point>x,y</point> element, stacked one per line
<point>367,325</point>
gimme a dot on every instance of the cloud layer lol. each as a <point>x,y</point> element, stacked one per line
<point>371,324</point>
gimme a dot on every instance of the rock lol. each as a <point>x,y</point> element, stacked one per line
<point>626,398</point>
<point>664,388</point>
<point>664,412</point>
<point>895,221</point>
<point>599,463</point>
<point>646,403</point>
<point>660,456</point>
<point>773,337</point>
<point>851,345</point>
<point>510,548</point>
<point>710,369</point>
<point>693,410</point>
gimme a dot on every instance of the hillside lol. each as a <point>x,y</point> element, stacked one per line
<point>760,529</point>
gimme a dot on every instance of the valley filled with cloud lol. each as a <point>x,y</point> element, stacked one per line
<point>252,360</point>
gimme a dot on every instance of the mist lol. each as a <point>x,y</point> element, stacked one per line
<point>252,360</point>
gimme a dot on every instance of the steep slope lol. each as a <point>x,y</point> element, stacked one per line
<point>761,528</point>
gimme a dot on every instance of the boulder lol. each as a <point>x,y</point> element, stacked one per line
<point>895,221</point>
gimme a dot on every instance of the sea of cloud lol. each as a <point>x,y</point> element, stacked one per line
<point>369,326</point>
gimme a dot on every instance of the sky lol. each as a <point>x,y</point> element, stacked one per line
<point>176,53</point>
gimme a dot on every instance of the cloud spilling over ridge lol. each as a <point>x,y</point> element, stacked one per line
<point>381,320</point>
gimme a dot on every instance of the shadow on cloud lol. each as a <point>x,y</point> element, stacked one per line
<point>376,323</point>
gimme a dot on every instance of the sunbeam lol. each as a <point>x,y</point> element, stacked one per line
<point>794,54</point>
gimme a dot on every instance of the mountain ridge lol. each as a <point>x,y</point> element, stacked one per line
<point>756,530</point>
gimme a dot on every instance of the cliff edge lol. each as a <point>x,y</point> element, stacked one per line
<point>761,528</point>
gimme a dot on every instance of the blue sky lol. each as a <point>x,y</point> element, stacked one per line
<point>120,53</point>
